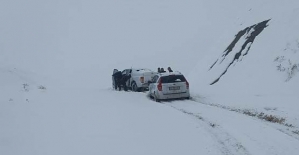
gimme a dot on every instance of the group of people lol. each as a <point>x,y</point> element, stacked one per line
<point>161,70</point>
<point>120,80</point>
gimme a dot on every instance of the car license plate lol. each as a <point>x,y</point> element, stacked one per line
<point>174,88</point>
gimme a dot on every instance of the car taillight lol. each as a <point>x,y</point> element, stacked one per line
<point>142,79</point>
<point>187,84</point>
<point>159,86</point>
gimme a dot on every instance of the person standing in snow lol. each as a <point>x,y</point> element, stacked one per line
<point>162,70</point>
<point>123,81</point>
<point>169,69</point>
<point>117,79</point>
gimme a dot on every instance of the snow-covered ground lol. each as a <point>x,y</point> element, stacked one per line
<point>58,119</point>
<point>57,59</point>
<point>96,121</point>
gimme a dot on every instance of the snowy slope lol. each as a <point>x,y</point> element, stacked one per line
<point>57,59</point>
<point>264,75</point>
<point>258,67</point>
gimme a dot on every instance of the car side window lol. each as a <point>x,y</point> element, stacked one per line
<point>123,72</point>
<point>155,78</point>
<point>127,72</point>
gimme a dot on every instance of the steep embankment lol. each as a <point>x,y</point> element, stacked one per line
<point>260,58</point>
<point>253,67</point>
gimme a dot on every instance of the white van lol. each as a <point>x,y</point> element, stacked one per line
<point>139,78</point>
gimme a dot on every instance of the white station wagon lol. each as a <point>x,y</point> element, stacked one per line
<point>167,85</point>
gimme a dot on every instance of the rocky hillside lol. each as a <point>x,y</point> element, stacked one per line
<point>254,58</point>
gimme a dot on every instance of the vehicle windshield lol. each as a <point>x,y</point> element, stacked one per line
<point>173,79</point>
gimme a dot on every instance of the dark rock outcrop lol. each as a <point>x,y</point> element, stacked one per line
<point>252,32</point>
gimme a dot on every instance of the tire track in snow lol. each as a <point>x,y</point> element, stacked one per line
<point>237,133</point>
<point>287,129</point>
<point>228,144</point>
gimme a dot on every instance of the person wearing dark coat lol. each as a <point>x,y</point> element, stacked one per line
<point>117,79</point>
<point>123,82</point>
<point>169,69</point>
<point>162,70</point>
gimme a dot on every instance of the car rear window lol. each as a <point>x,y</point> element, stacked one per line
<point>173,79</point>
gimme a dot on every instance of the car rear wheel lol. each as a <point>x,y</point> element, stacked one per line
<point>155,98</point>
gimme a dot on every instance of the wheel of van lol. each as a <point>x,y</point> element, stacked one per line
<point>134,86</point>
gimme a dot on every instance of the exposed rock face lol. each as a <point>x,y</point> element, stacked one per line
<point>250,33</point>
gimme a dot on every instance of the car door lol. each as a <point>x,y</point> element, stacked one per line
<point>153,85</point>
<point>128,73</point>
<point>124,73</point>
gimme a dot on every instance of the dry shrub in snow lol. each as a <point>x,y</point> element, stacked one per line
<point>288,62</point>
<point>269,118</point>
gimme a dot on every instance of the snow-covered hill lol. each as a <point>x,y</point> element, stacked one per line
<point>254,66</point>
<point>259,57</point>
<point>241,59</point>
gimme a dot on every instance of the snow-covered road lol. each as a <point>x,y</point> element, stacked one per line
<point>238,133</point>
<point>103,121</point>
<point>82,121</point>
